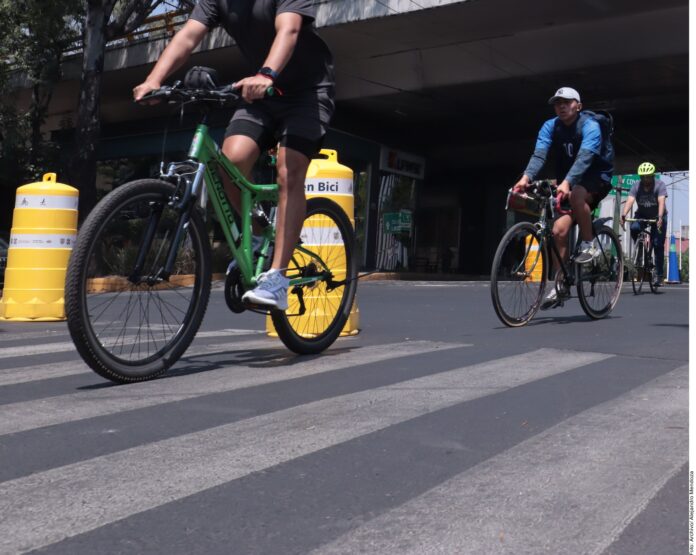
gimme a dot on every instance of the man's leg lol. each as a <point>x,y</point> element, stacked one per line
<point>580,203</point>
<point>272,288</point>
<point>561,232</point>
<point>292,204</point>
<point>243,152</point>
<point>658,239</point>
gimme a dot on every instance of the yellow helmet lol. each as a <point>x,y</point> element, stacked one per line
<point>646,168</point>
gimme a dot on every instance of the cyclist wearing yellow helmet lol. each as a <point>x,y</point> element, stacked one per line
<point>650,197</point>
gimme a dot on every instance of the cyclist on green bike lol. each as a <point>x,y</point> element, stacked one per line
<point>650,198</point>
<point>584,159</point>
<point>277,37</point>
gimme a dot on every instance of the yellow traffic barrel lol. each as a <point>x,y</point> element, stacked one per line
<point>533,263</point>
<point>326,177</point>
<point>44,228</point>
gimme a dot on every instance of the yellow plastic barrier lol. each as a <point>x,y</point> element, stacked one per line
<point>44,228</point>
<point>325,178</point>
<point>533,263</point>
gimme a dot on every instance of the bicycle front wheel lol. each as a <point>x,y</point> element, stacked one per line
<point>318,310</point>
<point>518,275</point>
<point>638,275</point>
<point>600,281</point>
<point>129,321</point>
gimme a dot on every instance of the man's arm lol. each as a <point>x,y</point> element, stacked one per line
<point>661,211</point>
<point>288,26</point>
<point>173,57</point>
<point>627,208</point>
<point>538,159</point>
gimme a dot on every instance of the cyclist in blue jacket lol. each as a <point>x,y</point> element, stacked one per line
<point>584,159</point>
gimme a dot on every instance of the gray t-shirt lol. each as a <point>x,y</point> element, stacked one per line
<point>647,200</point>
<point>251,23</point>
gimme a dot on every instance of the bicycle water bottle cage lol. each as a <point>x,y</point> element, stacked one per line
<point>201,77</point>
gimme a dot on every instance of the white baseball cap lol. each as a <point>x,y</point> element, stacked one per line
<point>565,92</point>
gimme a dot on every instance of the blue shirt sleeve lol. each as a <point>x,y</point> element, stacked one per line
<point>591,136</point>
<point>541,150</point>
<point>661,189</point>
<point>545,137</point>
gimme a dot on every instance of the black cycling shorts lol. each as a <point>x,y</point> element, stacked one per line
<point>298,121</point>
<point>598,190</point>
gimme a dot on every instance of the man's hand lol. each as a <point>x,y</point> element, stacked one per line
<point>254,88</point>
<point>144,88</point>
<point>623,221</point>
<point>521,185</point>
<point>564,188</point>
<point>659,224</point>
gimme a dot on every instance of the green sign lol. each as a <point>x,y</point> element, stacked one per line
<point>397,222</point>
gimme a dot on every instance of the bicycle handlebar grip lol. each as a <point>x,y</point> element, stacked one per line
<point>560,205</point>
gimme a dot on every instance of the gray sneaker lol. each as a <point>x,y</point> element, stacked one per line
<point>554,299</point>
<point>587,252</point>
<point>271,291</point>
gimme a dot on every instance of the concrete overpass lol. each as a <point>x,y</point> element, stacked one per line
<point>462,83</point>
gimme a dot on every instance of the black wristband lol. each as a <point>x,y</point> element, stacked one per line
<point>268,72</point>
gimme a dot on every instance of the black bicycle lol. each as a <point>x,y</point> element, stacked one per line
<point>521,265</point>
<point>643,258</point>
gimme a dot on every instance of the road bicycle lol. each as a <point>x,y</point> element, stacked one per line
<point>139,277</point>
<point>521,265</point>
<point>644,258</point>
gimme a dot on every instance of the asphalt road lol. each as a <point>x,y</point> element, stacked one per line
<point>436,430</point>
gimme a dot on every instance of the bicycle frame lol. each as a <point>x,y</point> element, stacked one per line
<point>205,154</point>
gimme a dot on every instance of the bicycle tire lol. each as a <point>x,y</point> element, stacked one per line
<point>607,269</point>
<point>98,284</point>
<point>327,232</point>
<point>638,275</point>
<point>508,284</point>
<point>653,271</point>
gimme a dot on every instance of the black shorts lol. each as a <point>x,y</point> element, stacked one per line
<point>598,189</point>
<point>298,121</point>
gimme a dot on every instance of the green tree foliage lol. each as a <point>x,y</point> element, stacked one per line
<point>35,35</point>
<point>104,21</point>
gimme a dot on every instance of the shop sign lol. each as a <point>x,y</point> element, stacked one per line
<point>402,163</point>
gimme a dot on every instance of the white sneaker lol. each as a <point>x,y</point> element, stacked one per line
<point>271,291</point>
<point>553,299</point>
<point>587,252</point>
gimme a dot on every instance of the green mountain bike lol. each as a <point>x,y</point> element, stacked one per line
<point>139,278</point>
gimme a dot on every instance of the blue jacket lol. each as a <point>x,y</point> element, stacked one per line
<point>580,152</point>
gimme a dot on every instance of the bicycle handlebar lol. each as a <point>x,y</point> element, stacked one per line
<point>178,93</point>
<point>641,220</point>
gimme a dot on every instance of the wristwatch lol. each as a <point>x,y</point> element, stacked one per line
<point>268,72</point>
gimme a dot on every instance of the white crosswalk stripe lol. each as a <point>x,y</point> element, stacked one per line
<point>572,488</point>
<point>68,346</point>
<point>598,462</point>
<point>18,417</point>
<point>179,467</point>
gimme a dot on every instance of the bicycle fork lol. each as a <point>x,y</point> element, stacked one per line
<point>184,206</point>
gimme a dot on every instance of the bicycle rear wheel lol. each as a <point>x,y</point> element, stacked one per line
<point>317,311</point>
<point>638,275</point>
<point>600,281</point>
<point>131,324</point>
<point>518,275</point>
